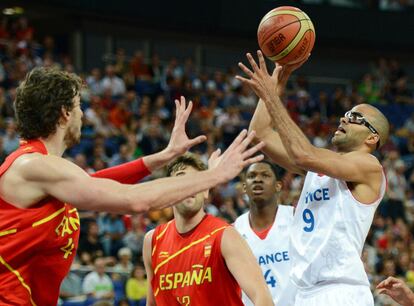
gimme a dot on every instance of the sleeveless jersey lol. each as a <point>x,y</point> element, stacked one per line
<point>189,268</point>
<point>272,254</point>
<point>37,244</point>
<point>329,230</point>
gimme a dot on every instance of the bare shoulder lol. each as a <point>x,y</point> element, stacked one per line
<point>37,167</point>
<point>148,235</point>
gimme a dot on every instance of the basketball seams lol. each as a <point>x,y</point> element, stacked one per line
<point>299,36</point>
<point>272,33</point>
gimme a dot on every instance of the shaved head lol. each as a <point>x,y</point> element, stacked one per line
<point>377,119</point>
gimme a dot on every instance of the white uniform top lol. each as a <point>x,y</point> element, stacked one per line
<point>272,254</point>
<point>329,230</point>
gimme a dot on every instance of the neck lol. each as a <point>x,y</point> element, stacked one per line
<point>186,224</point>
<point>55,143</point>
<point>263,216</point>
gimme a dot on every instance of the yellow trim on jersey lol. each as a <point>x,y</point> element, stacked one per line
<point>48,218</point>
<point>163,231</point>
<point>72,210</point>
<point>8,232</point>
<point>157,291</point>
<point>186,248</point>
<point>19,277</point>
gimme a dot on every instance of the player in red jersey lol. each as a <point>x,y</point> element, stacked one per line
<point>198,259</point>
<point>39,229</point>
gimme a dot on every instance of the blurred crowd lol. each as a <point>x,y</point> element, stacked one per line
<point>128,106</point>
<point>384,5</point>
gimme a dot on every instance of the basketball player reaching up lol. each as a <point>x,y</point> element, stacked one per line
<point>341,192</point>
<point>40,190</point>
<point>198,259</point>
<point>266,228</point>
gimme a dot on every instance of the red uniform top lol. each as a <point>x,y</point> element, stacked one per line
<point>37,245</point>
<point>189,268</point>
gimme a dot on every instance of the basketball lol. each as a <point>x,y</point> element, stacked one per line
<point>286,35</point>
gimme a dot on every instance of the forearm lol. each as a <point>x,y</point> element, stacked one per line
<point>263,299</point>
<point>295,142</point>
<point>158,160</point>
<point>128,173</point>
<point>168,191</point>
<point>261,120</point>
<point>409,300</point>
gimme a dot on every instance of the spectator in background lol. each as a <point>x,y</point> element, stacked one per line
<point>90,243</point>
<point>111,229</point>
<point>10,139</point>
<point>112,82</point>
<point>124,265</point>
<point>137,286</point>
<point>94,82</point>
<point>97,284</point>
<point>71,287</point>
<point>397,184</point>
<point>134,238</point>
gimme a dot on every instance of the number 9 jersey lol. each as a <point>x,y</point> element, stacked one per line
<point>329,230</point>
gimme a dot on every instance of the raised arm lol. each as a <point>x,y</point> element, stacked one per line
<point>397,290</point>
<point>244,268</point>
<point>36,176</point>
<point>132,172</point>
<point>146,254</point>
<point>355,167</point>
<point>274,148</point>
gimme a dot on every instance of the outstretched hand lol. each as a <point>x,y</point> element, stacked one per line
<point>237,156</point>
<point>397,290</point>
<point>179,141</point>
<point>260,81</point>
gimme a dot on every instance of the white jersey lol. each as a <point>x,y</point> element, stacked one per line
<point>329,230</point>
<point>272,254</point>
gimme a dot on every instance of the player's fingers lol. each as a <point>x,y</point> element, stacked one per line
<point>197,140</point>
<point>246,70</point>
<point>249,82</point>
<point>253,150</point>
<point>252,62</point>
<point>215,154</point>
<point>262,62</point>
<point>187,112</point>
<point>277,71</point>
<point>177,108</point>
<point>245,143</point>
<point>238,140</point>
<point>253,160</point>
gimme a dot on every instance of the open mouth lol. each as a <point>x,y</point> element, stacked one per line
<point>257,189</point>
<point>340,130</point>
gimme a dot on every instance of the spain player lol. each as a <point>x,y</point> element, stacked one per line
<point>266,228</point>
<point>39,229</point>
<point>341,192</point>
<point>198,259</point>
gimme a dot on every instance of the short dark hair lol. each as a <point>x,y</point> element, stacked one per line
<point>40,98</point>
<point>188,159</point>
<point>277,171</point>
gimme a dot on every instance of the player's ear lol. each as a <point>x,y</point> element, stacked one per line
<point>244,187</point>
<point>65,115</point>
<point>278,186</point>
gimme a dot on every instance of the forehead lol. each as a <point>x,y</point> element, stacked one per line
<point>184,170</point>
<point>259,167</point>
<point>364,110</point>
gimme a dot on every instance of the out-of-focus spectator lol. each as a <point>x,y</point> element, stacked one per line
<point>11,138</point>
<point>137,286</point>
<point>124,265</point>
<point>98,284</point>
<point>111,230</point>
<point>112,82</point>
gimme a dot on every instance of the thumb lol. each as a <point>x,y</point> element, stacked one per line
<point>197,140</point>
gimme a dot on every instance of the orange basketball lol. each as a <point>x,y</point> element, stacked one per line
<point>286,35</point>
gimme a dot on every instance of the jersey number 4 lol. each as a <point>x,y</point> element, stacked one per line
<point>270,280</point>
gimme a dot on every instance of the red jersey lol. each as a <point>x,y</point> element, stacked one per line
<point>189,268</point>
<point>37,244</point>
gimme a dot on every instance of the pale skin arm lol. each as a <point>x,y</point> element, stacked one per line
<point>35,176</point>
<point>179,141</point>
<point>244,268</point>
<point>397,290</point>
<point>357,167</point>
<point>146,253</point>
